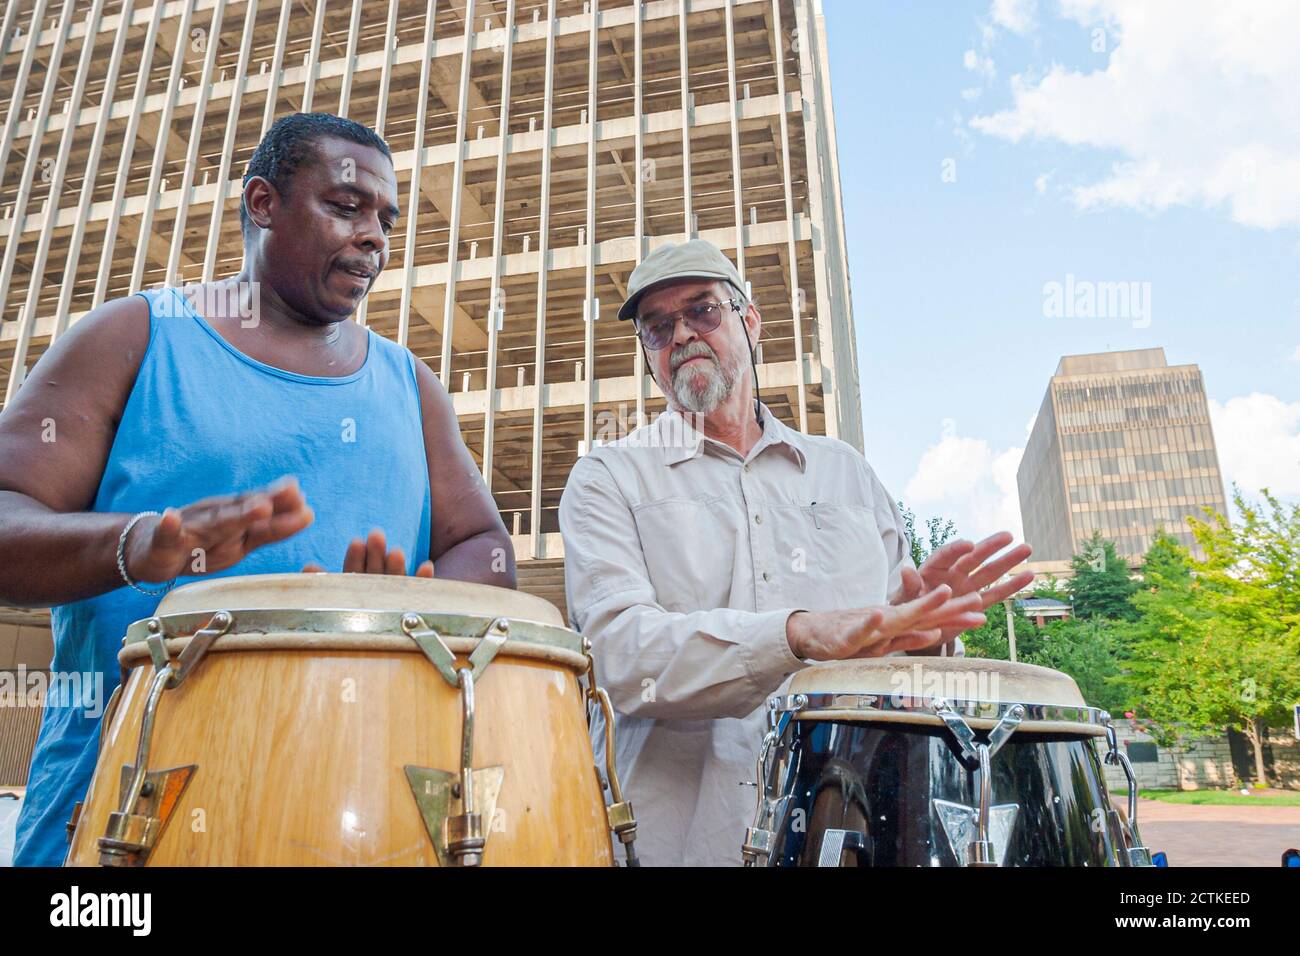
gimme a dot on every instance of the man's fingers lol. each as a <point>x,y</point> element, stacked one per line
<point>376,549</point>
<point>909,586</point>
<point>907,615</point>
<point>277,528</point>
<point>957,623</point>
<point>916,640</point>
<point>285,494</point>
<point>354,561</point>
<point>167,532</point>
<point>425,570</point>
<point>312,568</point>
<point>942,558</point>
<point>395,563</point>
<point>1003,590</point>
<point>981,551</point>
<point>996,568</point>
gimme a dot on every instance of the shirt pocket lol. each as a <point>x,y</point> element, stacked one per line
<point>690,551</point>
<point>852,566</point>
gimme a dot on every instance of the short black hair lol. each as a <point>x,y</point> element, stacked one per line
<point>291,142</point>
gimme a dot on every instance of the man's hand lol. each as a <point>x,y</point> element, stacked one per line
<point>373,557</point>
<point>215,533</point>
<point>877,631</point>
<point>965,568</point>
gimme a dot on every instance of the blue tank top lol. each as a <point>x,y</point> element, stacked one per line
<point>205,419</point>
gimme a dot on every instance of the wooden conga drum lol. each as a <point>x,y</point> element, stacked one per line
<point>331,719</point>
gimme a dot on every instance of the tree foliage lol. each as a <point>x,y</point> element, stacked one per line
<point>1102,584</point>
<point>1217,642</point>
<point>1188,645</point>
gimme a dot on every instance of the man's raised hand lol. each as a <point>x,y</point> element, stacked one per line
<point>215,533</point>
<point>912,624</point>
<point>372,556</point>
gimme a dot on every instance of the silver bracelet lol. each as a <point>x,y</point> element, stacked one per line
<point>121,558</point>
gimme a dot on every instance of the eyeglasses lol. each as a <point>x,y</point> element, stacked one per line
<point>657,331</point>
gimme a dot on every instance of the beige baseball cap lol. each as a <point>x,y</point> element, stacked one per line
<point>694,259</point>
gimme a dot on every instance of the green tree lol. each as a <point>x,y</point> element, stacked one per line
<point>1169,610</point>
<point>1053,589</point>
<point>1092,653</point>
<point>938,532</point>
<point>990,639</point>
<point>1217,642</point>
<point>1102,584</point>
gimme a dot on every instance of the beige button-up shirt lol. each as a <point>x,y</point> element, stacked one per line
<point>683,560</point>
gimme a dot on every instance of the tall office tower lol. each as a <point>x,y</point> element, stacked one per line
<point>542,149</point>
<point>1122,444</point>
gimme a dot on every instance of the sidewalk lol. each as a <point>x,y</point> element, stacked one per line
<point>1219,836</point>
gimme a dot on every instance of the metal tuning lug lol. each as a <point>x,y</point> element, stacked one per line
<point>459,838</point>
<point>978,835</point>
<point>1136,854</point>
<point>130,837</point>
<point>148,798</point>
<point>618,813</point>
<point>756,849</point>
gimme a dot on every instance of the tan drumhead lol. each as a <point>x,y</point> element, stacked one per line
<point>361,592</point>
<point>953,678</point>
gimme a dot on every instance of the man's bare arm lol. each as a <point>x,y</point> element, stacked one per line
<point>467,541</point>
<point>55,438</point>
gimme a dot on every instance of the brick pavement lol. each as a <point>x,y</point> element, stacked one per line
<point>1219,836</point>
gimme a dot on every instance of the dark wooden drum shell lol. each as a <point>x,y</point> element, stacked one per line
<point>881,780</point>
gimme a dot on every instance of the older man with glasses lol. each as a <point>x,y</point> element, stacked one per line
<point>714,552</point>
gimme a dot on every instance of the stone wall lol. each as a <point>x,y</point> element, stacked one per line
<point>1196,763</point>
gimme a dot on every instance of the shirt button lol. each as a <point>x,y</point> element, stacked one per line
<point>767,576</point>
<point>758,519</point>
<point>746,466</point>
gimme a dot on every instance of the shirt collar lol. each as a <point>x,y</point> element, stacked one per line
<point>683,442</point>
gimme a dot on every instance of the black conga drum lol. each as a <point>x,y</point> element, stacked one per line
<point>938,761</point>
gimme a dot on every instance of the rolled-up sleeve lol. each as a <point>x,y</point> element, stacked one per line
<point>657,663</point>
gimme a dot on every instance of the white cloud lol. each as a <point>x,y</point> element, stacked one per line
<point>982,66</point>
<point>1197,100</point>
<point>1041,181</point>
<point>965,480</point>
<point>1295,356</point>
<point>1015,15</point>
<point>1258,437</point>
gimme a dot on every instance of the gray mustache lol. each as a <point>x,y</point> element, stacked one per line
<point>694,350</point>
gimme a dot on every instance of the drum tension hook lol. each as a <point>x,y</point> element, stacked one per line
<point>618,813</point>
<point>458,839</point>
<point>979,835</point>
<point>1138,854</point>
<point>149,797</point>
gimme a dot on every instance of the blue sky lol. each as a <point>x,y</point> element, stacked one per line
<point>1081,139</point>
